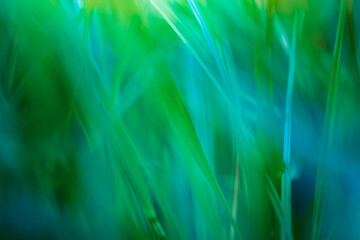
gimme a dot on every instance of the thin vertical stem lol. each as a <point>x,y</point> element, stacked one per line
<point>235,200</point>
<point>286,160</point>
<point>329,120</point>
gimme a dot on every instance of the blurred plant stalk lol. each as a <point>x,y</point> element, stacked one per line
<point>329,121</point>
<point>286,159</point>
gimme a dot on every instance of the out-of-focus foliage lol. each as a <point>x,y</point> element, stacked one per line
<point>179,119</point>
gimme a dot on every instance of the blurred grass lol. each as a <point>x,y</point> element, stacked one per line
<point>183,119</point>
